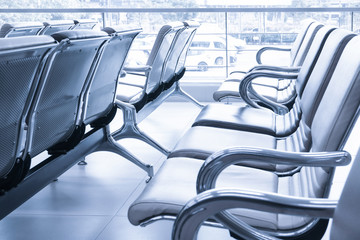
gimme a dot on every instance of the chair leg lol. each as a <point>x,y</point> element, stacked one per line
<point>180,92</point>
<point>111,145</point>
<point>131,130</point>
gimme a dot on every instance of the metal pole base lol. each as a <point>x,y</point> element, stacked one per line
<point>131,130</point>
<point>112,146</point>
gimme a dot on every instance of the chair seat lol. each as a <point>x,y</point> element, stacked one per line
<point>269,82</point>
<point>178,177</point>
<point>200,142</point>
<point>228,88</point>
<point>133,80</point>
<point>275,94</point>
<point>128,93</point>
<point>237,118</point>
<point>231,86</point>
<point>242,118</point>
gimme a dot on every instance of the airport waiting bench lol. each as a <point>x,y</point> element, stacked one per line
<point>343,212</point>
<point>72,85</point>
<point>67,82</point>
<point>299,165</point>
<point>297,53</point>
<point>19,29</point>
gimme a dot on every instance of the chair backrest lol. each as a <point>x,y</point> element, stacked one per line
<point>176,59</point>
<point>346,216</point>
<point>315,74</point>
<point>333,120</point>
<point>159,54</point>
<point>21,60</point>
<point>322,73</point>
<point>299,40</point>
<point>20,29</point>
<point>55,111</point>
<point>312,57</point>
<point>340,102</point>
<point>306,43</point>
<point>191,26</point>
<point>51,27</point>
<point>101,92</point>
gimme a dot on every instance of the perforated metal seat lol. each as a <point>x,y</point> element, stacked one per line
<point>20,29</point>
<point>175,67</point>
<point>51,27</point>
<point>132,98</point>
<point>75,87</point>
<point>21,61</point>
<point>55,119</point>
<point>153,72</point>
<point>100,102</point>
<point>100,94</point>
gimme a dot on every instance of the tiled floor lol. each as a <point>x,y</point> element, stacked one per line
<point>90,202</point>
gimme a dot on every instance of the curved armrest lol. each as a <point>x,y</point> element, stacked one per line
<point>137,69</point>
<point>264,49</point>
<point>238,71</point>
<point>269,68</point>
<point>217,162</point>
<point>275,68</point>
<point>216,201</point>
<point>246,88</point>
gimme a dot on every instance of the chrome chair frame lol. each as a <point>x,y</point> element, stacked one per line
<point>217,201</point>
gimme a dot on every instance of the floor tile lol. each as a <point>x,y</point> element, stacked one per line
<point>121,228</point>
<point>28,227</point>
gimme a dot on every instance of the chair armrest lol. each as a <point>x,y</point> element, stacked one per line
<point>137,69</point>
<point>243,156</point>
<point>217,201</point>
<point>238,71</point>
<point>264,49</point>
<point>246,88</point>
<point>275,68</point>
<point>269,68</point>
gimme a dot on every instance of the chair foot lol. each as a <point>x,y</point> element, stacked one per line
<point>130,129</point>
<point>82,163</point>
<point>112,146</point>
<point>180,92</point>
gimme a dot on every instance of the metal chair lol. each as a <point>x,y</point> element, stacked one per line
<point>298,52</point>
<point>131,98</point>
<point>312,81</point>
<point>299,166</point>
<point>51,27</point>
<point>55,114</point>
<point>100,102</point>
<point>175,69</point>
<point>20,29</point>
<point>344,212</point>
<point>17,89</point>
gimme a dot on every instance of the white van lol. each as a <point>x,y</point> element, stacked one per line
<point>208,51</point>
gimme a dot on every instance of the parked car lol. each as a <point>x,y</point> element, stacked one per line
<point>209,51</point>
